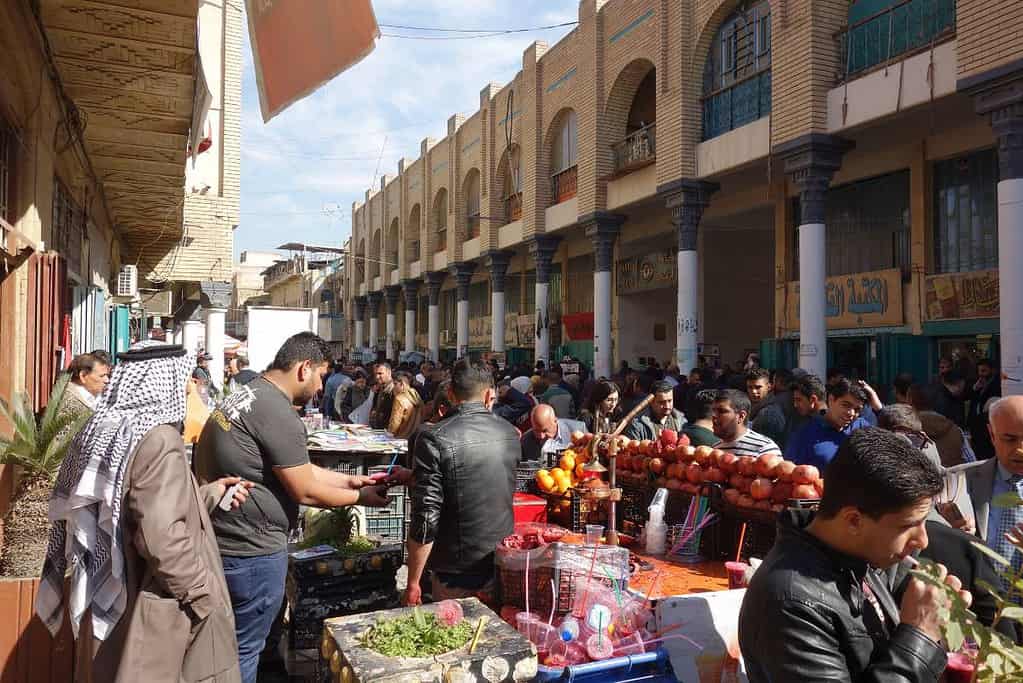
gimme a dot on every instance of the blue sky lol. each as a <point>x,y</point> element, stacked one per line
<point>302,171</point>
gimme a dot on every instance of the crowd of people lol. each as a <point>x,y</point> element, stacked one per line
<point>169,563</point>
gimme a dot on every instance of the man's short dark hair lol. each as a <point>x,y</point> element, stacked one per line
<point>899,416</point>
<point>902,382</point>
<point>83,364</point>
<point>440,398</point>
<point>469,381</point>
<point>755,374</point>
<point>385,363</point>
<point>701,405</point>
<point>877,473</point>
<point>987,362</point>
<point>844,387</point>
<point>304,346</point>
<point>738,399</point>
<point>810,386</point>
<point>241,361</point>
<point>783,375</point>
<point>555,370</point>
<point>834,373</point>
<point>661,387</point>
<point>103,356</point>
<point>700,374</point>
<point>953,376</point>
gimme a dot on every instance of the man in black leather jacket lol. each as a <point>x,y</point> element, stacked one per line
<point>819,607</point>
<point>464,471</point>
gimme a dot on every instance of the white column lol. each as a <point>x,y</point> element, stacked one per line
<point>602,323</point>
<point>178,335</point>
<point>542,347</point>
<point>463,328</point>
<point>813,337</point>
<point>433,331</point>
<point>1010,283</point>
<point>374,332</point>
<point>389,323</point>
<point>497,321</point>
<point>190,333</point>
<point>687,321</point>
<point>215,318</point>
<point>358,334</point>
<point>410,330</point>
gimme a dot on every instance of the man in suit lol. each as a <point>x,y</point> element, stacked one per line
<point>972,486</point>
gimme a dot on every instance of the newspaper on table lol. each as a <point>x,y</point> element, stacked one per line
<point>356,439</point>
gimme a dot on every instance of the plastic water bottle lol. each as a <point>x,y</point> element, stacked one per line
<point>656,529</point>
<point>569,629</point>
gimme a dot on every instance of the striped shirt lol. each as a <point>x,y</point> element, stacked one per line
<point>751,443</point>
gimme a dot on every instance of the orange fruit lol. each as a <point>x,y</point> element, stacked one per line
<point>567,461</point>
<point>579,470</point>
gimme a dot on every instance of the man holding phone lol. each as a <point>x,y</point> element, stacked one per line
<point>255,433</point>
<point>972,487</point>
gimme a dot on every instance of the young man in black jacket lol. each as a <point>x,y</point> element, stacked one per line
<point>464,471</point>
<point>819,607</point>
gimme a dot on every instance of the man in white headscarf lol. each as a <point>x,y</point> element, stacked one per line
<point>132,532</point>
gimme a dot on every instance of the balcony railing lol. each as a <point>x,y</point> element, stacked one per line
<point>513,207</point>
<point>904,27</point>
<point>736,105</point>
<point>564,185</point>
<point>637,149</point>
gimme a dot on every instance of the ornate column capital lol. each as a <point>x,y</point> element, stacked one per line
<point>374,299</point>
<point>1002,102</point>
<point>687,199</point>
<point>360,307</point>
<point>462,272</point>
<point>410,289</point>
<point>811,162</point>
<point>602,228</point>
<point>542,248</point>
<point>434,280</point>
<point>391,294</point>
<point>497,262</point>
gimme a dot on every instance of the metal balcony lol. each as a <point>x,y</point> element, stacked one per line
<point>636,150</point>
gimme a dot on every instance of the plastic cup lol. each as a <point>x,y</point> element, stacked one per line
<point>631,644</point>
<point>525,623</point>
<point>544,637</point>
<point>736,574</point>
<point>594,532</point>
<point>959,669</point>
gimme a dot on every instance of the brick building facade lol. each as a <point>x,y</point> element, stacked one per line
<point>650,176</point>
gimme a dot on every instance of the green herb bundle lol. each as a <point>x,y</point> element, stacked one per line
<point>418,634</point>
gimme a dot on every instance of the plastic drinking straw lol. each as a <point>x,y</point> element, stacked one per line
<point>554,603</point>
<point>479,632</point>
<point>742,537</point>
<point>391,466</point>
<point>527,582</point>
<point>600,630</point>
<point>673,636</point>
<point>589,577</point>
<point>650,590</point>
<point>614,583</point>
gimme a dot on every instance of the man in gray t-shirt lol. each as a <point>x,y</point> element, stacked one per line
<point>255,433</point>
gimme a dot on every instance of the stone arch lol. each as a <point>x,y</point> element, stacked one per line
<point>360,264</point>
<point>414,230</point>
<point>560,157</point>
<point>631,104</point>
<point>471,209</point>
<point>439,216</point>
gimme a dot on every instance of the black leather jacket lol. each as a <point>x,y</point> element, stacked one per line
<point>465,478</point>
<point>805,617</point>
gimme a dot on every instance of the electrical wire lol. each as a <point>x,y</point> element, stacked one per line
<point>438,29</point>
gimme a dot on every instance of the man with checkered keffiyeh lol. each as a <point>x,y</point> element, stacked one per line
<point>132,539</point>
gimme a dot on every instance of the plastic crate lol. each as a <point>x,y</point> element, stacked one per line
<point>395,507</point>
<point>525,476</point>
<point>352,466</point>
<point>389,528</point>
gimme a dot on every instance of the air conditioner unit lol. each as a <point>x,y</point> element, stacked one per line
<point>128,281</point>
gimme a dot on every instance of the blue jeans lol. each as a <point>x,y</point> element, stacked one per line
<point>256,585</point>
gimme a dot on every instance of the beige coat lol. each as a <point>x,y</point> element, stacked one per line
<point>406,413</point>
<point>178,626</point>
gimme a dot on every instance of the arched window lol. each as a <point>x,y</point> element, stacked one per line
<point>564,150</point>
<point>374,256</point>
<point>511,183</point>
<point>632,116</point>
<point>737,75</point>
<point>360,263</point>
<point>471,195</point>
<point>440,219</point>
<point>413,229</point>
<point>393,244</point>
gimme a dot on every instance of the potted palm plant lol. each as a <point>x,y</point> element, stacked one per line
<point>37,448</point>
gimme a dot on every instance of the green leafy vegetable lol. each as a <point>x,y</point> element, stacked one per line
<point>417,634</point>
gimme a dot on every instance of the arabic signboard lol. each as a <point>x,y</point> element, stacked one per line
<point>871,299</point>
<point>961,295</point>
<point>655,270</point>
<point>479,332</point>
<point>526,330</point>
<point>299,45</point>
